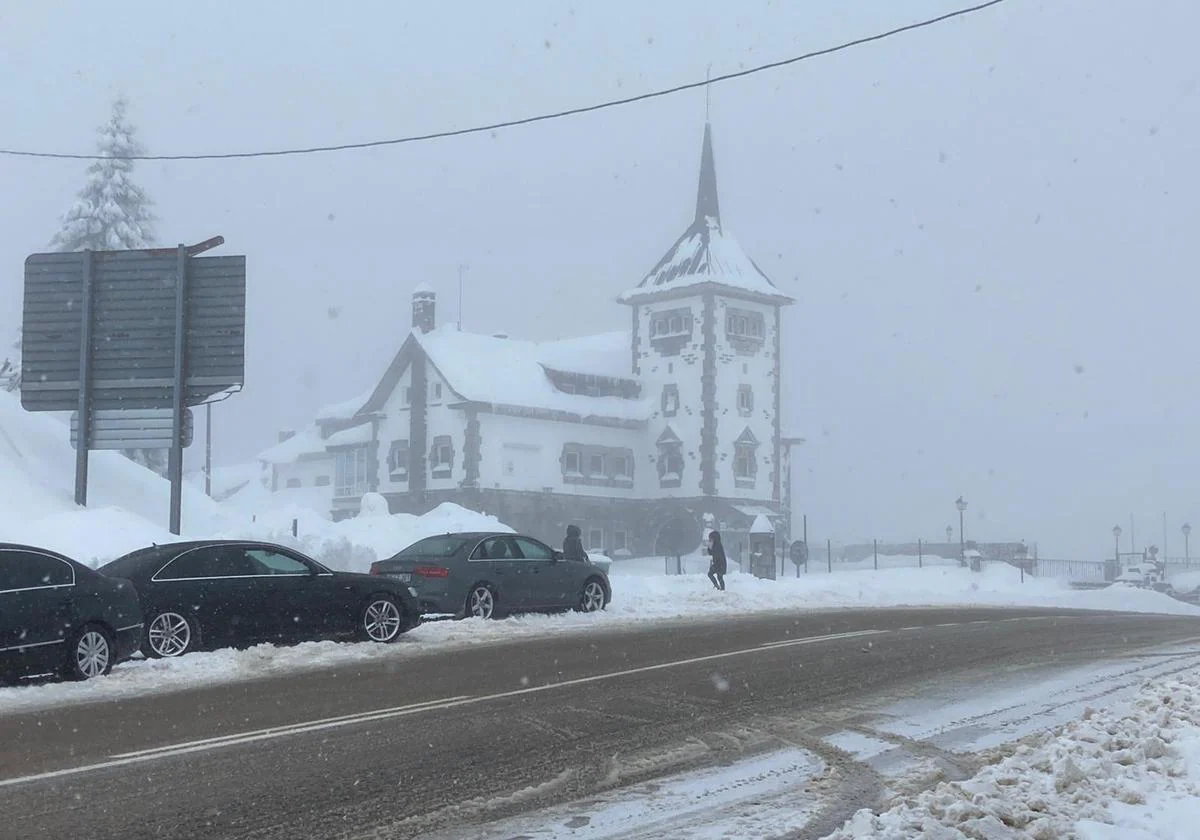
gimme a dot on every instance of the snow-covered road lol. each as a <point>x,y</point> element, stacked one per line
<point>638,597</point>
<point>1103,752</point>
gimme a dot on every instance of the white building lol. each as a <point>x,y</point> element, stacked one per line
<point>674,423</point>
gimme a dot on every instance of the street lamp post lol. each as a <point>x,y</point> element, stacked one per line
<point>961,504</point>
<point>1187,532</point>
<point>1117,544</point>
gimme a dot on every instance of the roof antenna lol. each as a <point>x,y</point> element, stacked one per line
<point>462,269</point>
<point>707,90</point>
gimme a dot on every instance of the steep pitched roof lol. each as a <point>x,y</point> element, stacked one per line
<point>507,371</point>
<point>706,253</point>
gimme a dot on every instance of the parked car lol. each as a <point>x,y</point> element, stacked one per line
<point>229,593</point>
<point>59,616</point>
<point>491,574</point>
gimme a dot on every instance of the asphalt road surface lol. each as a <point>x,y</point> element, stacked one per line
<point>449,740</point>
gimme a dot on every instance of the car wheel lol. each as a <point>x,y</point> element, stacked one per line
<point>170,634</point>
<point>592,597</point>
<point>90,654</point>
<point>481,603</point>
<point>382,619</point>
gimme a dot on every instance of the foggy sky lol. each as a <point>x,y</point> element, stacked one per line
<point>985,225</point>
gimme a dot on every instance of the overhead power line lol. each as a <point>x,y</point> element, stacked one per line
<point>570,112</point>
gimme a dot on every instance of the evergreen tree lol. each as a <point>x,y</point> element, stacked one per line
<point>112,213</point>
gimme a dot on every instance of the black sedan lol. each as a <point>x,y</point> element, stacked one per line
<point>230,593</point>
<point>57,615</point>
<point>490,574</point>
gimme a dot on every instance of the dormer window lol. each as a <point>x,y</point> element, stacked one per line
<point>745,459</point>
<point>670,459</point>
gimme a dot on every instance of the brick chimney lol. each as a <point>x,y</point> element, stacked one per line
<point>424,302</point>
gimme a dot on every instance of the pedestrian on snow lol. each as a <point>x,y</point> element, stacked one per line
<point>573,544</point>
<point>717,565</point>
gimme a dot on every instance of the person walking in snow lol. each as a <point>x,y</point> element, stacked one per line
<point>573,544</point>
<point>717,565</point>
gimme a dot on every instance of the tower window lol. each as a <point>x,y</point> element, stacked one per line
<point>671,323</point>
<point>670,459</point>
<point>670,400</point>
<point>745,459</point>
<point>744,324</point>
<point>745,400</point>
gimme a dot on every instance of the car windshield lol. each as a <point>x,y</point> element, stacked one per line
<point>443,546</point>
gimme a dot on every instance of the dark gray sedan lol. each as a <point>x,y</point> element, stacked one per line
<point>489,574</point>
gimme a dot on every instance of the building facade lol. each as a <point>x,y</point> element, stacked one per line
<point>643,438</point>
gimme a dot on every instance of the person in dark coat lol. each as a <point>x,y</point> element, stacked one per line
<point>718,565</point>
<point>573,544</point>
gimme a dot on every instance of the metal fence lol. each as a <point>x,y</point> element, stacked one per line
<point>1075,571</point>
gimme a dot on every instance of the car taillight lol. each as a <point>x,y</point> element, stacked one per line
<point>374,569</point>
<point>431,571</point>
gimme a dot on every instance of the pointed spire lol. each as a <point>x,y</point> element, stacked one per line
<point>706,196</point>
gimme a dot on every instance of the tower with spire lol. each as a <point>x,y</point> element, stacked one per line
<point>706,347</point>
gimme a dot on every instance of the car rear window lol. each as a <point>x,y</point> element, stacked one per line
<point>443,546</point>
<point>128,565</point>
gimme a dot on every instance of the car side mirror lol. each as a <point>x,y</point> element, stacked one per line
<point>558,555</point>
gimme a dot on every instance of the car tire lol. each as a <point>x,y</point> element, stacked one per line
<point>170,634</point>
<point>381,619</point>
<point>90,653</point>
<point>481,602</point>
<point>593,597</point>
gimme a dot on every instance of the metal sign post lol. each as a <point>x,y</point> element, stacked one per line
<point>175,459</point>
<point>85,380</point>
<point>127,339</point>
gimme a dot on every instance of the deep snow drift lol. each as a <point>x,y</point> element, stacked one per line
<point>1130,773</point>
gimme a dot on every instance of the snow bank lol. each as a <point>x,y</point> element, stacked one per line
<point>641,589</point>
<point>128,503</point>
<point>353,544</point>
<point>1128,772</point>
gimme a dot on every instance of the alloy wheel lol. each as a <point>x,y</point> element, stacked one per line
<point>482,603</point>
<point>169,634</point>
<point>381,620</point>
<point>92,654</point>
<point>592,599</point>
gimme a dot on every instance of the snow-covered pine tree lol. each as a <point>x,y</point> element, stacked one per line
<point>112,213</point>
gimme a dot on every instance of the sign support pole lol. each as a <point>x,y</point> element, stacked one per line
<point>208,450</point>
<point>84,441</point>
<point>175,462</point>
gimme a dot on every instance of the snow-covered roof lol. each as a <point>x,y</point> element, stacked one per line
<point>762,525</point>
<point>353,436</point>
<point>604,354</point>
<point>507,371</point>
<point>706,253</point>
<point>306,442</point>
<point>343,410</point>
